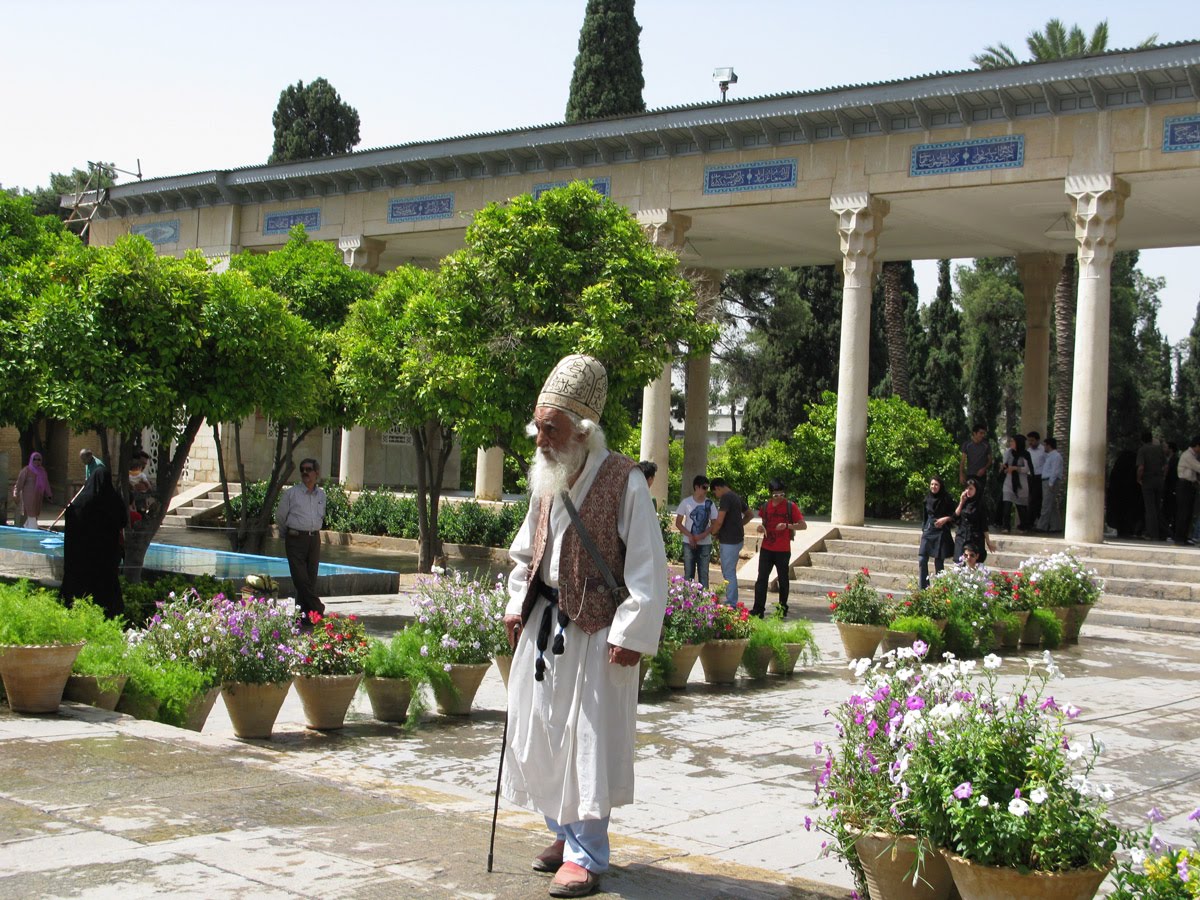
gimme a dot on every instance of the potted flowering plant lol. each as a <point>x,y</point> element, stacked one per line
<point>968,631</point>
<point>255,659</point>
<point>39,640</point>
<point>462,625</point>
<point>861,614</point>
<point>997,781</point>
<point>690,607</point>
<point>1062,583</point>
<point>870,817</point>
<point>727,633</point>
<point>1155,869</point>
<point>329,667</point>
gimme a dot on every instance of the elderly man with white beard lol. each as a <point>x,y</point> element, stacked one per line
<point>574,681</point>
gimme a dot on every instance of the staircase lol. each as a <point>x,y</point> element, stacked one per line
<point>195,501</point>
<point>1147,585</point>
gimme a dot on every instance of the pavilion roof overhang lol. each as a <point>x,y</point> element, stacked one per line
<point>1163,74</point>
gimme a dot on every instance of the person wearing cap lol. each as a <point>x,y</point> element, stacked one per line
<point>573,686</point>
<point>300,515</point>
<point>781,518</point>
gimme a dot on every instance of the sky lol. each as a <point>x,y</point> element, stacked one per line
<point>190,86</point>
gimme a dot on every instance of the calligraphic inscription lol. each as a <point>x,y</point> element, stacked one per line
<point>158,232</point>
<point>601,186</point>
<point>283,222</point>
<point>1181,133</point>
<point>755,176</point>
<point>415,209</point>
<point>1007,152</point>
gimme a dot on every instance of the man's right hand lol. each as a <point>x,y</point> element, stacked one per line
<point>512,627</point>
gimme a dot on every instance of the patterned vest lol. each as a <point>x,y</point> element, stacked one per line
<point>583,594</point>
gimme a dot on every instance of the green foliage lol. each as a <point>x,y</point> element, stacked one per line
<point>749,469</point>
<point>994,318</point>
<point>1154,869</point>
<point>143,598</point>
<point>106,651</point>
<point>776,633</point>
<point>607,80</point>
<point>254,495</point>
<point>310,121</point>
<point>939,384</point>
<point>468,522</point>
<point>967,635</point>
<point>336,645</point>
<point>174,684</point>
<point>631,446</point>
<point>924,628</point>
<point>382,512</point>
<point>31,615</point>
<point>904,447</point>
<point>1052,629</point>
<point>461,621</point>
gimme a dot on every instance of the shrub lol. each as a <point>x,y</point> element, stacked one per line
<point>461,621</point>
<point>749,469</point>
<point>31,615</point>
<point>172,683</point>
<point>859,603</point>
<point>143,599</point>
<point>105,655</point>
<point>924,628</point>
<point>337,645</point>
<point>1052,630</point>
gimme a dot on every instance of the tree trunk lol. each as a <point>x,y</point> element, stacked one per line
<point>893,314</point>
<point>170,469</point>
<point>1064,357</point>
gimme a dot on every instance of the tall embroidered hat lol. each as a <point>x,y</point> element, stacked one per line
<point>578,384</point>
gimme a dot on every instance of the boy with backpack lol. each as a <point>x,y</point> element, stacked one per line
<point>780,518</point>
<point>694,520</point>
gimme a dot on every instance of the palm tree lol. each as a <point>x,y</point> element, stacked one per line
<point>1056,42</point>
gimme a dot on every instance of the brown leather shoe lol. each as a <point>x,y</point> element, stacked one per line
<point>550,859</point>
<point>574,881</point>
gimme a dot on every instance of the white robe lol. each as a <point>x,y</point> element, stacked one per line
<point>571,736</point>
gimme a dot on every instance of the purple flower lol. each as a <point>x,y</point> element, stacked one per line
<point>963,791</point>
<point>808,823</point>
<point>915,703</point>
<point>1194,817</point>
<point>1155,816</point>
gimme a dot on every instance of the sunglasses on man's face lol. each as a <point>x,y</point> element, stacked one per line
<point>306,470</point>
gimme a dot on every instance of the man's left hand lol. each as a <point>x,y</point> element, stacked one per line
<point>621,657</point>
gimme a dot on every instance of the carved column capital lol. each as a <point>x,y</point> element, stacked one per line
<point>860,219</point>
<point>360,252</point>
<point>665,228</point>
<point>1099,206</point>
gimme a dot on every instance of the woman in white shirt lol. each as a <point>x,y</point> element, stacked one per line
<point>1015,466</point>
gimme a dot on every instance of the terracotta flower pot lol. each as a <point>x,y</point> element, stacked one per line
<point>976,882</point>
<point>1031,634</point>
<point>683,661</point>
<point>326,698</point>
<point>86,689</point>
<point>1075,618</point>
<point>793,652</point>
<point>504,664</point>
<point>253,708</point>
<point>465,679</point>
<point>888,862</point>
<point>389,698</point>
<point>860,641</point>
<point>895,640</point>
<point>35,676</point>
<point>757,661</point>
<point>721,659</point>
<point>140,706</point>
<point>199,708</point>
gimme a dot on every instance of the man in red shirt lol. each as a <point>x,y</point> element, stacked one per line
<point>780,517</point>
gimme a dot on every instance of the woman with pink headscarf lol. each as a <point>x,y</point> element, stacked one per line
<point>32,487</point>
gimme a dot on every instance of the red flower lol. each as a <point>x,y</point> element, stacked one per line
<point>866,571</point>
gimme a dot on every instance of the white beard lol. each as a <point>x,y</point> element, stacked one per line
<point>551,475</point>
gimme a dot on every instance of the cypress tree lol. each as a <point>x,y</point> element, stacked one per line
<point>608,70</point>
<point>941,384</point>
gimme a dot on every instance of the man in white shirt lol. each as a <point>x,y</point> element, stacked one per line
<point>1051,474</point>
<point>695,519</point>
<point>573,686</point>
<point>300,515</point>
<point>1185,491</point>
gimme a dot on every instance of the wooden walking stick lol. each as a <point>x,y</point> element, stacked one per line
<point>500,769</point>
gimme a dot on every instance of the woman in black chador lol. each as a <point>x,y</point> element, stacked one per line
<point>972,519</point>
<point>95,521</point>
<point>936,540</point>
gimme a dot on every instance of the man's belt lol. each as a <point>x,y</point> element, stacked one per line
<point>549,614</point>
<point>295,532</point>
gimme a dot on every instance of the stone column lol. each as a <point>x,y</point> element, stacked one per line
<point>707,283</point>
<point>1039,275</point>
<point>361,253</point>
<point>489,473</point>
<point>860,219</point>
<point>665,229</point>
<point>1099,205</point>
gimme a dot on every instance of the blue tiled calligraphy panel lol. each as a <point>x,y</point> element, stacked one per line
<point>1007,152</point>
<point>415,209</point>
<point>283,222</point>
<point>601,186</point>
<point>1181,133</point>
<point>159,232</point>
<point>755,176</point>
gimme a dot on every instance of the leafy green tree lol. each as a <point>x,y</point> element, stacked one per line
<point>320,288</point>
<point>1187,391</point>
<point>570,272</point>
<point>312,120</point>
<point>939,383</point>
<point>994,320</point>
<point>607,80</point>
<point>46,200</point>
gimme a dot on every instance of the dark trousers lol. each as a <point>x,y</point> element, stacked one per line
<point>768,560</point>
<point>304,556</point>
<point>1035,502</point>
<point>1152,499</point>
<point>1185,494</point>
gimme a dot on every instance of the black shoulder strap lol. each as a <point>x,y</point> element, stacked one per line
<point>618,591</point>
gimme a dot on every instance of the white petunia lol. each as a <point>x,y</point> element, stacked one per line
<point>1039,795</point>
<point>1105,792</point>
<point>991,661</point>
<point>1018,807</point>
<point>983,800</point>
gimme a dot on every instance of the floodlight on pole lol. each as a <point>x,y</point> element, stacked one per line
<point>724,77</point>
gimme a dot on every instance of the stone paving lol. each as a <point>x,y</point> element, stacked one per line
<point>93,804</point>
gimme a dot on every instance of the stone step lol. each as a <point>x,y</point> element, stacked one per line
<point>175,519</point>
<point>202,503</point>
